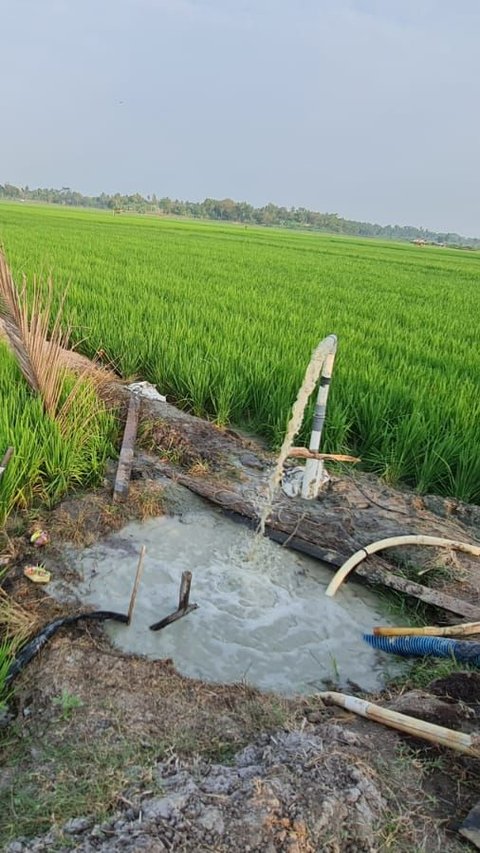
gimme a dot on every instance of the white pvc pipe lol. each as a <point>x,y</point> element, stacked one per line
<point>314,469</point>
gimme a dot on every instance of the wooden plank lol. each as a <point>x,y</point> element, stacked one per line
<point>124,470</point>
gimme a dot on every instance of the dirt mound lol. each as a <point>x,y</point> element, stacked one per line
<point>291,791</point>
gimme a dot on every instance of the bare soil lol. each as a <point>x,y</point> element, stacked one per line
<point>150,760</point>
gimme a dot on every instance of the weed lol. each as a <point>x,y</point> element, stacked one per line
<point>68,702</point>
<point>426,670</point>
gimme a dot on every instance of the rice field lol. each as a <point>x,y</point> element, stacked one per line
<point>223,319</point>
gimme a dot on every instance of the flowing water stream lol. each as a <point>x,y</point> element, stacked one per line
<point>310,379</point>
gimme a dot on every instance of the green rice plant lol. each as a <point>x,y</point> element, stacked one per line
<point>6,657</point>
<point>224,320</point>
<point>48,460</point>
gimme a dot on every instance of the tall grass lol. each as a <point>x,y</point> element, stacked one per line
<point>48,460</point>
<point>224,319</point>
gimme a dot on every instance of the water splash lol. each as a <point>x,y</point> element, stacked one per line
<point>312,375</point>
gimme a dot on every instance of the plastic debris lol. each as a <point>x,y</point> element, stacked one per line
<point>145,389</point>
<point>37,574</point>
<point>39,538</point>
<point>292,482</point>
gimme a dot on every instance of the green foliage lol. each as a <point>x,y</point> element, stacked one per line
<point>6,657</point>
<point>224,320</point>
<point>47,462</point>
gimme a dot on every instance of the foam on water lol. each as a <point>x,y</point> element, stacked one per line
<point>266,621</point>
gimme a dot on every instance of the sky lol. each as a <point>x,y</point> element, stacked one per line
<point>364,108</point>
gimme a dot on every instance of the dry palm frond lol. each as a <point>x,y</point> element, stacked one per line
<point>39,344</point>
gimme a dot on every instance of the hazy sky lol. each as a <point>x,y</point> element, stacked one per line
<point>365,108</point>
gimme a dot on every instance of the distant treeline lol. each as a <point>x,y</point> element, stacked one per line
<point>227,210</point>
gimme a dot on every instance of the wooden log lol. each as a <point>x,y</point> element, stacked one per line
<point>379,575</point>
<point>439,735</point>
<point>331,528</point>
<point>124,470</point>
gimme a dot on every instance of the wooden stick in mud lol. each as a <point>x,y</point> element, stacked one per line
<point>466,629</point>
<point>439,735</point>
<point>184,595</point>
<point>184,608</point>
<point>124,470</point>
<point>136,584</point>
<point>6,459</point>
<point>304,453</point>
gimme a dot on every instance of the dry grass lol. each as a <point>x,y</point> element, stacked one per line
<point>16,622</point>
<point>83,520</point>
<point>39,343</point>
<point>199,468</point>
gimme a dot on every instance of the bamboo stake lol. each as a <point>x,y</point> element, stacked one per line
<point>136,584</point>
<point>304,453</point>
<point>6,459</point>
<point>393,542</point>
<point>464,630</point>
<point>439,735</point>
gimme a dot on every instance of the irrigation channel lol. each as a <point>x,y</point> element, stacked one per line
<point>262,615</point>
